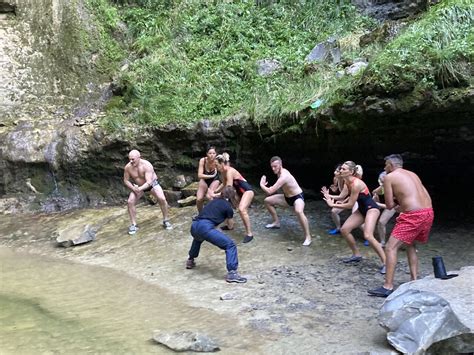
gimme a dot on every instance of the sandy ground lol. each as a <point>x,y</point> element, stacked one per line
<point>298,300</point>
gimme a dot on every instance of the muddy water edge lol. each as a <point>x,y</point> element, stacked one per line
<point>109,295</point>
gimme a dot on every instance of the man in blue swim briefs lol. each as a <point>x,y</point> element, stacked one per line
<point>292,196</point>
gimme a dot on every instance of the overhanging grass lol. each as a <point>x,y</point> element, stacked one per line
<point>198,58</point>
<point>438,50</point>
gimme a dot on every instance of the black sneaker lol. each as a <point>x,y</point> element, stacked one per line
<point>248,238</point>
<point>233,276</point>
<point>190,264</point>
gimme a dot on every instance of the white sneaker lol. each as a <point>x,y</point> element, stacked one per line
<point>132,229</point>
<point>167,225</point>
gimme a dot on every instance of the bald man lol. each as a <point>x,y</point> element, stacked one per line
<point>140,177</point>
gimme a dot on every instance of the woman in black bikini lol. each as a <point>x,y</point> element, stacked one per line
<point>367,214</point>
<point>208,178</point>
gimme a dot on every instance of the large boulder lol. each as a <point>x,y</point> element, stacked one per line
<point>432,315</point>
<point>75,236</point>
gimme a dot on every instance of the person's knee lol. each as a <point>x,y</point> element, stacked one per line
<point>300,214</point>
<point>391,247</point>
<point>368,236</point>
<point>345,230</point>
<point>162,200</point>
<point>242,210</point>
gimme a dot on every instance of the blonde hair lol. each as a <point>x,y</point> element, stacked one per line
<point>223,158</point>
<point>355,169</point>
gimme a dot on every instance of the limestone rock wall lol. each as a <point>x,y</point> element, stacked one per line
<point>45,65</point>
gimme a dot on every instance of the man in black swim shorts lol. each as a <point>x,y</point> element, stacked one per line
<point>292,196</point>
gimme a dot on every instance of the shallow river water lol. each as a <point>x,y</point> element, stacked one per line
<point>58,307</point>
<point>108,296</point>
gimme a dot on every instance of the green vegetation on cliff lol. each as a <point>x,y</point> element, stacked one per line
<point>437,51</point>
<point>198,59</point>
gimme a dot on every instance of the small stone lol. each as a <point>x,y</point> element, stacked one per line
<point>226,297</point>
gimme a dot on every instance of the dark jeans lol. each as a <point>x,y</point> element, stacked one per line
<point>204,230</point>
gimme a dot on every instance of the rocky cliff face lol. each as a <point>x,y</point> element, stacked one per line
<point>391,10</point>
<point>47,64</point>
<point>70,161</point>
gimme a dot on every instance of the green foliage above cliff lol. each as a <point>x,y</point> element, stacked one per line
<point>197,59</point>
<point>101,41</point>
<point>436,51</point>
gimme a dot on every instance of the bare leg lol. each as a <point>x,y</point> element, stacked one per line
<point>299,210</point>
<point>354,221</point>
<point>243,210</point>
<point>132,209</point>
<point>157,191</point>
<point>200,194</point>
<point>270,203</point>
<point>335,217</point>
<point>212,188</point>
<point>382,223</point>
<point>391,249</point>
<point>369,227</point>
<point>412,261</point>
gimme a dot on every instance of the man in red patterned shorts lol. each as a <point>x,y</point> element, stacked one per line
<point>405,192</point>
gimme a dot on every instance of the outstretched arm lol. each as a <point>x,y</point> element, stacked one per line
<point>346,205</point>
<point>272,189</point>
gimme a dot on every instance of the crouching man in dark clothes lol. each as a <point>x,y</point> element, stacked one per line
<point>204,229</point>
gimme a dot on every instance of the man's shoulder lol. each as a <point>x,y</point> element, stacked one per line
<point>285,174</point>
<point>146,164</point>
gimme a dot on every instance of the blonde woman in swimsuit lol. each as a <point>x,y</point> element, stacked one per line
<point>231,177</point>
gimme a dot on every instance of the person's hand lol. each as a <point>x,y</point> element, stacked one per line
<point>324,190</point>
<point>263,181</point>
<point>329,201</point>
<point>333,188</point>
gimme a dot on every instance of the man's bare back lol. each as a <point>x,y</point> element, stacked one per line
<point>407,189</point>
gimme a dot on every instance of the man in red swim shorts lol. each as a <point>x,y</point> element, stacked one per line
<point>405,192</point>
